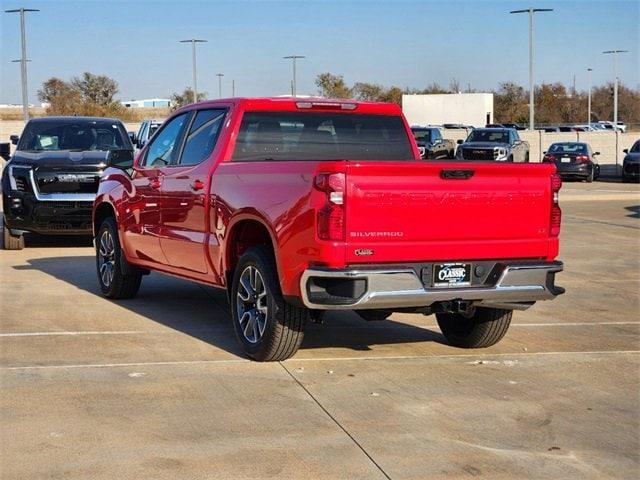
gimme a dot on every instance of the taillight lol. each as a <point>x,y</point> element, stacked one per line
<point>549,158</point>
<point>330,223</point>
<point>582,158</point>
<point>556,213</point>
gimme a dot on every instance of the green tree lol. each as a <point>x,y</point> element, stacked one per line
<point>185,98</point>
<point>96,89</point>
<point>367,91</point>
<point>332,86</point>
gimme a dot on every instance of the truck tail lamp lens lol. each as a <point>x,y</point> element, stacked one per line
<point>556,213</point>
<point>330,223</point>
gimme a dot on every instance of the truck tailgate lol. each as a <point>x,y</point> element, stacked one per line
<point>419,211</point>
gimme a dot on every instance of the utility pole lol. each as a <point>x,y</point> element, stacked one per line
<point>531,11</point>
<point>193,42</point>
<point>233,88</point>
<point>219,75</point>
<point>293,82</point>
<point>23,60</point>
<point>615,85</point>
<point>589,70</point>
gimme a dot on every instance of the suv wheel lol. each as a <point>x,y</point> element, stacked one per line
<point>11,242</point>
<point>109,264</point>
<point>268,328</point>
<point>484,328</point>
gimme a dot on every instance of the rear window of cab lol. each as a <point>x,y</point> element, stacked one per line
<point>321,136</point>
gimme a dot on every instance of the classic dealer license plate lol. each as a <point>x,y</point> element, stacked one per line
<point>451,274</point>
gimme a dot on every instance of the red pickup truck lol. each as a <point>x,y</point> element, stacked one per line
<point>296,206</point>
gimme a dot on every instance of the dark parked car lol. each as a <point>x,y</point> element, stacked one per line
<point>631,163</point>
<point>493,144</point>
<point>573,160</point>
<point>49,184</point>
<point>431,144</point>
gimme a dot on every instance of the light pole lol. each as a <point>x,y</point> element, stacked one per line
<point>589,70</point>
<point>219,75</point>
<point>193,42</point>
<point>293,82</point>
<point>23,60</point>
<point>233,87</point>
<point>531,11</point>
<point>615,85</point>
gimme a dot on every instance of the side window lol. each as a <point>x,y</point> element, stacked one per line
<point>163,148</point>
<point>142,127</point>
<point>202,136</point>
<point>436,135</point>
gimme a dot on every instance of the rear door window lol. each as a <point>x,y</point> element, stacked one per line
<point>202,137</point>
<point>291,136</point>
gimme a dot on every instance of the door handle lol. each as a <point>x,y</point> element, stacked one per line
<point>197,185</point>
<point>155,182</point>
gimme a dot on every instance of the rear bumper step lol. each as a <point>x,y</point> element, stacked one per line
<point>516,288</point>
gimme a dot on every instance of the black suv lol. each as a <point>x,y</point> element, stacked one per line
<point>49,184</point>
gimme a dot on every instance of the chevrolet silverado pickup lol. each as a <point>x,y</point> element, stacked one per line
<point>50,182</point>
<point>493,144</point>
<point>298,206</point>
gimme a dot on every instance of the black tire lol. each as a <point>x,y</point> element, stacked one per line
<point>110,260</point>
<point>526,158</point>
<point>591,175</point>
<point>374,315</point>
<point>484,328</point>
<point>451,155</point>
<point>11,242</point>
<point>282,324</point>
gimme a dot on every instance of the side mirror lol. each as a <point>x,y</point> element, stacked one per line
<point>544,153</point>
<point>132,137</point>
<point>596,153</point>
<point>626,150</point>
<point>122,159</point>
<point>5,151</point>
<point>14,139</point>
<point>460,142</point>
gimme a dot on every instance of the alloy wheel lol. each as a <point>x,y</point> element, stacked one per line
<point>251,304</point>
<point>106,258</point>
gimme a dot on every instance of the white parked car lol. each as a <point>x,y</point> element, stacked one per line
<point>622,127</point>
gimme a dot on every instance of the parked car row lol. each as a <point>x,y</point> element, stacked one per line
<point>296,207</point>
<point>600,126</point>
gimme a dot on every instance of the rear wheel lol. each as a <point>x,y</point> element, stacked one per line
<point>109,264</point>
<point>11,242</point>
<point>591,175</point>
<point>268,328</point>
<point>484,328</point>
<point>374,315</point>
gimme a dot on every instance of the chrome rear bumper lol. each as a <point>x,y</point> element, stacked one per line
<point>516,288</point>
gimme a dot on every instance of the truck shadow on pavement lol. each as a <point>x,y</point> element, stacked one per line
<point>203,313</point>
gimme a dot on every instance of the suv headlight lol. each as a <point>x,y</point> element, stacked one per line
<point>501,153</point>
<point>17,176</point>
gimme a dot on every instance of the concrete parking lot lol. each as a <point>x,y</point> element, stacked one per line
<point>155,388</point>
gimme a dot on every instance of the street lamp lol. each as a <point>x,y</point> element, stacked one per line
<point>589,70</point>
<point>531,11</point>
<point>293,82</point>
<point>193,42</point>
<point>219,75</point>
<point>23,60</point>
<point>615,85</point>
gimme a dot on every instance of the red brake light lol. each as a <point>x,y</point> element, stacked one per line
<point>582,158</point>
<point>549,158</point>
<point>330,223</point>
<point>556,213</point>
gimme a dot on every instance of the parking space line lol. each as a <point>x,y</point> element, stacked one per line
<point>382,325</point>
<point>323,359</point>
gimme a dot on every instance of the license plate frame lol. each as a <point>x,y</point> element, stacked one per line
<point>565,160</point>
<point>451,275</point>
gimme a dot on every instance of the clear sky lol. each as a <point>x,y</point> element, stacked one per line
<point>404,43</point>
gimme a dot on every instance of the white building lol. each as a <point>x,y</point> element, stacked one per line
<point>475,109</point>
<point>147,103</point>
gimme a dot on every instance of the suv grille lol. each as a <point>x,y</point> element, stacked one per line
<point>479,154</point>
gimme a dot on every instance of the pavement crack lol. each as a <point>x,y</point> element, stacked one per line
<point>336,421</point>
